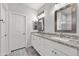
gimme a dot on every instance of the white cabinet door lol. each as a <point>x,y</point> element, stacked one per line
<point>50,49</point>
<point>47,49</point>
<point>41,46</point>
<point>61,49</point>
<point>34,41</point>
<point>37,44</point>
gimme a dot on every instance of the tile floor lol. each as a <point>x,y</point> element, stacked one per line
<point>25,52</point>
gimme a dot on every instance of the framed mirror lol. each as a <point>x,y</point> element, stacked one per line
<point>41,24</point>
<point>66,19</point>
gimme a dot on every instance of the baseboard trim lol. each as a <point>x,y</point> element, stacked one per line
<point>36,50</point>
<point>18,49</point>
<point>7,54</point>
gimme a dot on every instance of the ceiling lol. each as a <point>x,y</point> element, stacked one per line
<point>35,6</point>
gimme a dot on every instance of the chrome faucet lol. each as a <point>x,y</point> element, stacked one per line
<point>61,34</point>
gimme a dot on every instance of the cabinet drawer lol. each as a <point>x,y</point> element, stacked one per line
<point>50,50</point>
<point>57,52</point>
<point>46,50</point>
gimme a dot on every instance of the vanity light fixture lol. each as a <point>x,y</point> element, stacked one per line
<point>41,15</point>
<point>34,19</point>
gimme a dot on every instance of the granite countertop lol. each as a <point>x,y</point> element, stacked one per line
<point>71,42</point>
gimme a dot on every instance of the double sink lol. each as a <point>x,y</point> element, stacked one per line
<point>62,38</point>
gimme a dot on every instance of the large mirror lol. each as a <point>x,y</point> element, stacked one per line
<point>41,17</point>
<point>65,19</point>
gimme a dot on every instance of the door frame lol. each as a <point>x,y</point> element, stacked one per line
<point>5,8</point>
<point>16,13</point>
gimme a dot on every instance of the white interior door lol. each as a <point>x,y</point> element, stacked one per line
<point>4,30</point>
<point>17,31</point>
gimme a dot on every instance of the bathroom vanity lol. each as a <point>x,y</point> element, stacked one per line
<point>54,45</point>
<point>59,44</point>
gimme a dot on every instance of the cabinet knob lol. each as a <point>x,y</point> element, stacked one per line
<point>55,52</point>
<point>52,50</point>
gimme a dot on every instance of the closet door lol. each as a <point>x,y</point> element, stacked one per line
<point>17,31</point>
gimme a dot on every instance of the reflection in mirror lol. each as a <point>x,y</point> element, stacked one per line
<point>65,19</point>
<point>41,24</point>
<point>41,21</point>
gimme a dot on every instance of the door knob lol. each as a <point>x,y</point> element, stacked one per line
<point>5,35</point>
<point>24,33</point>
<point>2,20</point>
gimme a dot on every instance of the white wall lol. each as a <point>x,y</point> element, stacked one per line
<point>28,12</point>
<point>49,17</point>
